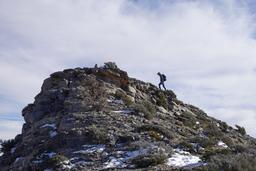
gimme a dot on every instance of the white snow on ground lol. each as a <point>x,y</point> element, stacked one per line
<point>120,162</point>
<point>118,102</point>
<point>50,154</point>
<point>75,161</point>
<point>53,126</point>
<point>115,162</point>
<point>13,150</point>
<point>18,159</point>
<point>98,148</point>
<point>109,100</point>
<point>39,159</point>
<point>182,158</point>
<point>53,134</point>
<point>122,111</point>
<point>222,144</point>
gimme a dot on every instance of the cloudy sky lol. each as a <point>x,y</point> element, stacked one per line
<point>207,49</point>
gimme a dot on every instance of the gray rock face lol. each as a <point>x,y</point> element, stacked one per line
<point>99,119</point>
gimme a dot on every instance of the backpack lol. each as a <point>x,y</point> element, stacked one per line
<point>164,77</point>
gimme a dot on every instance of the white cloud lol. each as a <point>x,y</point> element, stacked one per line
<point>9,129</point>
<point>205,47</point>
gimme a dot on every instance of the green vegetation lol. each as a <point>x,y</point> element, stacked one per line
<point>162,100</point>
<point>228,141</point>
<point>204,141</point>
<point>110,65</point>
<point>214,151</point>
<point>213,131</point>
<point>157,136</point>
<point>188,119</point>
<point>56,161</point>
<point>147,108</point>
<point>241,130</point>
<point>120,95</point>
<point>7,145</point>
<point>149,160</point>
<point>156,128</point>
<point>98,135</point>
<point>224,126</point>
<point>239,148</point>
<point>230,162</point>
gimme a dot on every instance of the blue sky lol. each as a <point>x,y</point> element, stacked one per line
<point>206,48</point>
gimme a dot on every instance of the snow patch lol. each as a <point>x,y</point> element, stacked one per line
<point>50,154</point>
<point>120,162</point>
<point>122,111</point>
<point>88,149</point>
<point>18,159</point>
<point>53,134</point>
<point>13,150</point>
<point>182,158</point>
<point>73,162</point>
<point>121,102</point>
<point>43,156</point>
<point>53,126</point>
<point>222,144</point>
<point>115,163</point>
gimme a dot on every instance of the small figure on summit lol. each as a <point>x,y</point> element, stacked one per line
<point>162,80</point>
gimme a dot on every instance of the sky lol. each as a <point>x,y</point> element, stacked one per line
<point>206,48</point>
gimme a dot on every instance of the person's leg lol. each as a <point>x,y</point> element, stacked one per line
<point>159,85</point>
<point>164,86</point>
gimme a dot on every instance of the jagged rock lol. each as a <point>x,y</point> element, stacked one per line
<point>131,91</point>
<point>100,119</point>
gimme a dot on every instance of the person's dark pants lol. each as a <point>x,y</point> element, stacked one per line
<point>161,83</point>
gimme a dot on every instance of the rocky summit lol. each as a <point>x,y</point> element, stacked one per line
<point>100,119</point>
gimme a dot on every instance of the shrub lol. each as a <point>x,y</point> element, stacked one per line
<point>213,131</point>
<point>162,100</point>
<point>186,145</point>
<point>155,135</point>
<point>227,140</point>
<point>149,160</point>
<point>110,65</point>
<point>241,130</point>
<point>156,128</point>
<point>7,145</point>
<point>204,141</point>
<point>147,108</point>
<point>122,96</point>
<point>56,160</point>
<point>224,126</point>
<point>214,151</point>
<point>239,148</point>
<point>98,135</point>
<point>240,162</point>
<point>188,119</point>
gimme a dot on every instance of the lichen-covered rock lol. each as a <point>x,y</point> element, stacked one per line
<point>100,119</point>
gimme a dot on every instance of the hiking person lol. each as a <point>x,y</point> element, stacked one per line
<point>162,80</point>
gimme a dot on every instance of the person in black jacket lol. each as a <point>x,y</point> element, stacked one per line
<point>162,80</point>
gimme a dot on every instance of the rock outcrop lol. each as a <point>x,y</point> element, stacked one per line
<point>100,119</point>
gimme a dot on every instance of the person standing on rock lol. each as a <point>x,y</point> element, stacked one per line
<point>162,80</point>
